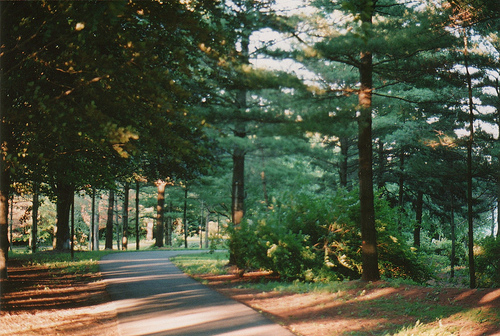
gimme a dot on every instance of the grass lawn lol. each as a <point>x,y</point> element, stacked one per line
<point>353,308</point>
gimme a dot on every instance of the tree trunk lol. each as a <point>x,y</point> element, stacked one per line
<point>96,226</point>
<point>238,194</point>
<point>497,89</point>
<point>206,230</point>
<point>470,220</point>
<point>11,221</point>
<point>419,212</point>
<point>200,232</point>
<point>170,223</point>
<point>401,192</point>
<point>238,183</point>
<point>4,219</point>
<point>498,199</point>
<point>184,218</point>
<point>368,230</point>
<point>4,144</point>
<point>72,232</point>
<point>34,227</point>
<point>118,226</point>
<point>137,238</point>
<point>125,217</point>
<point>64,194</point>
<point>161,185</point>
<point>93,222</point>
<point>109,221</point>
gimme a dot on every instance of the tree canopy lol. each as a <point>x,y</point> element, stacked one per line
<point>396,101</point>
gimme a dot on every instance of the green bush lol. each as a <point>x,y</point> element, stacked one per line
<point>243,246</point>
<point>488,263</point>
<point>317,238</point>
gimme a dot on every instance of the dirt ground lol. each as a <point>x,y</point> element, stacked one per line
<point>35,301</point>
<point>351,312</point>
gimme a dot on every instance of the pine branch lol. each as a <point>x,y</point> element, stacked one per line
<point>408,100</point>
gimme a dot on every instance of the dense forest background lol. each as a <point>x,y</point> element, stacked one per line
<point>327,139</point>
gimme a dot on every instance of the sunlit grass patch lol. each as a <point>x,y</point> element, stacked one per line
<point>202,263</point>
<point>448,327</point>
<point>62,263</point>
<point>422,329</point>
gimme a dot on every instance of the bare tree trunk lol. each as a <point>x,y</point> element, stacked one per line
<point>184,218</point>
<point>497,89</point>
<point>34,227</point>
<point>64,198</point>
<point>238,183</point>
<point>4,146</point>
<point>137,238</point>
<point>4,220</point>
<point>96,221</point>
<point>93,221</point>
<point>401,185</point>
<point>498,202</point>
<point>72,231</point>
<point>368,231</point>
<point>470,142</point>
<point>161,185</point>
<point>118,226</point>
<point>109,221</point>
<point>170,221</point>
<point>11,221</point>
<point>201,226</point>
<point>206,230</point>
<point>125,217</point>
<point>238,195</point>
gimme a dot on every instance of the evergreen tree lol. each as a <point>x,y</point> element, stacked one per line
<point>377,44</point>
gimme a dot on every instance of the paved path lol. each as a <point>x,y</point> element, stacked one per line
<point>153,297</point>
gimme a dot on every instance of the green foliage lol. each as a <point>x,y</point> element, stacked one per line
<point>202,263</point>
<point>488,263</point>
<point>250,254</point>
<point>317,238</point>
<point>441,249</point>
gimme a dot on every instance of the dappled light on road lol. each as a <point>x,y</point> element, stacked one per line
<point>153,297</point>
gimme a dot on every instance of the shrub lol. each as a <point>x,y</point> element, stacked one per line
<point>243,246</point>
<point>488,263</point>
<point>317,238</point>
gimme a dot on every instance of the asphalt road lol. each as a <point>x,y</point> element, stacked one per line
<point>153,297</point>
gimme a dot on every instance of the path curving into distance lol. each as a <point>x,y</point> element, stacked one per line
<point>153,297</point>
